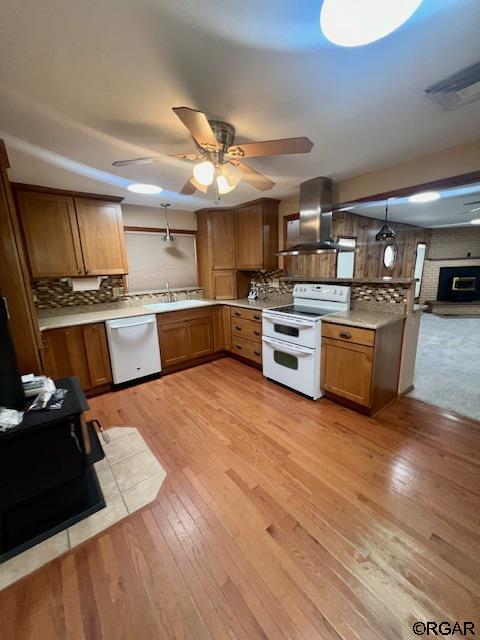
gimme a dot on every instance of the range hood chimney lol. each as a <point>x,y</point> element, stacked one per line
<point>315,220</point>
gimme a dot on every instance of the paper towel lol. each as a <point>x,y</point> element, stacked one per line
<point>86,284</point>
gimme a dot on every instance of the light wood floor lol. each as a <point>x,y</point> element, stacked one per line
<point>279,518</point>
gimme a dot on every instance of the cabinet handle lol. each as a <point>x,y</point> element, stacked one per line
<point>238,347</point>
<point>239,315</point>
<point>257,333</point>
<point>255,317</point>
<point>345,334</point>
<point>238,328</point>
<point>257,353</point>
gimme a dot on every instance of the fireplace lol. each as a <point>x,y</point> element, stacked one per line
<point>459,284</point>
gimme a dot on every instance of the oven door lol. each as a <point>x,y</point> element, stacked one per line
<point>295,367</point>
<point>289,329</point>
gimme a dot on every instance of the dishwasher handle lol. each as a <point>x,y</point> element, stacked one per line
<point>128,326</point>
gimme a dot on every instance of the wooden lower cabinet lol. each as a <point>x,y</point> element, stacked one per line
<point>185,336</point>
<point>78,351</point>
<point>361,366</point>
<point>246,333</point>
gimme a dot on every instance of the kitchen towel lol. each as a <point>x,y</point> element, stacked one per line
<point>86,284</point>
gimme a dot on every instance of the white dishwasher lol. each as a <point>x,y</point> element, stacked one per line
<point>134,348</point>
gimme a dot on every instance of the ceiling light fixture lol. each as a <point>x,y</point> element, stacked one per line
<point>386,233</point>
<point>425,196</point>
<point>353,23</point>
<point>204,172</point>
<point>475,221</point>
<point>148,189</point>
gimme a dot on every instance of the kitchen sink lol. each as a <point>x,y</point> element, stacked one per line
<point>172,306</point>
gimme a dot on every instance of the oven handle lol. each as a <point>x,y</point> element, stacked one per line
<point>292,349</point>
<point>287,322</point>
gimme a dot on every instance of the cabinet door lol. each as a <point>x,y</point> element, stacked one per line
<point>222,229</point>
<point>64,354</point>
<point>218,327</point>
<point>249,237</point>
<point>224,285</point>
<point>102,237</point>
<point>174,343</point>
<point>200,334</point>
<point>51,234</point>
<point>96,350</point>
<point>347,370</point>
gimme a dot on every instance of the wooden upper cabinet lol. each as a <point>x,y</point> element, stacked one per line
<point>222,230</point>
<point>102,237</point>
<point>256,235</point>
<point>51,234</point>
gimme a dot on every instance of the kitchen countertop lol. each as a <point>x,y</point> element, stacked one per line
<point>89,314</point>
<point>363,318</point>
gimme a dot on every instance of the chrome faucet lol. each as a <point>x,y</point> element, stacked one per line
<point>169,295</point>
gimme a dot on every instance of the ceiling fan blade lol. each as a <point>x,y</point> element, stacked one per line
<point>188,188</point>
<point>197,185</point>
<point>256,179</point>
<point>190,157</point>
<point>270,148</point>
<point>467,204</point>
<point>124,163</point>
<point>198,125</point>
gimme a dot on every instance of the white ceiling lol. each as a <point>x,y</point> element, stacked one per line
<point>85,83</point>
<point>455,208</point>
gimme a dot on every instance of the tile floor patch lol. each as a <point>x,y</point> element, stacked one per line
<point>130,478</point>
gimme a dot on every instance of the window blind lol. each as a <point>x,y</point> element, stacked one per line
<point>153,262</point>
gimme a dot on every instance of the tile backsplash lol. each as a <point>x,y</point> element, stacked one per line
<point>384,296</point>
<point>55,293</point>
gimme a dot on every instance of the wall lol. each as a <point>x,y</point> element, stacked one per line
<point>140,216</point>
<point>369,254</point>
<point>454,161</point>
<point>449,248</point>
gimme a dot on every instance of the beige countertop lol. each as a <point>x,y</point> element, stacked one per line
<point>88,314</point>
<point>364,319</point>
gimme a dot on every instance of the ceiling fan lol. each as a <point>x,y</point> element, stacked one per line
<point>218,160</point>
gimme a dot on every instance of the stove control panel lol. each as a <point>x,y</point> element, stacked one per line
<point>327,292</point>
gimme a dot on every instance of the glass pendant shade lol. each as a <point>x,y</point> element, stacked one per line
<point>204,172</point>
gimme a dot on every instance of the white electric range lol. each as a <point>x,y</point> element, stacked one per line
<point>292,340</point>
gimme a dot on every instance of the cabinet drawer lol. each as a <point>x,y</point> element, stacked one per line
<point>247,349</point>
<point>247,314</point>
<point>247,329</point>
<point>349,334</point>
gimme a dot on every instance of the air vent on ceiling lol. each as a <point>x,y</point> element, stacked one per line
<point>458,89</point>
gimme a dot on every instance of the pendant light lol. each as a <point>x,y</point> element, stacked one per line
<point>386,233</point>
<point>168,236</point>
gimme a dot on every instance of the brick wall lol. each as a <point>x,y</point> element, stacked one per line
<point>455,247</point>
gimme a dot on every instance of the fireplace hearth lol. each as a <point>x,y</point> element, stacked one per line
<point>459,284</point>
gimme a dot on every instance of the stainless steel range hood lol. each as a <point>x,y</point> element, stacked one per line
<point>315,220</point>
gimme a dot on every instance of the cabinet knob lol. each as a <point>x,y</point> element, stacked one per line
<point>257,353</point>
<point>345,334</point>
<point>238,347</point>
<point>255,317</point>
<point>238,328</point>
<point>237,314</point>
<point>257,333</point>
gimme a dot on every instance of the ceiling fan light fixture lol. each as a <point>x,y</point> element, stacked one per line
<point>232,174</point>
<point>147,189</point>
<point>204,172</point>
<point>223,186</point>
<point>475,221</point>
<point>353,23</point>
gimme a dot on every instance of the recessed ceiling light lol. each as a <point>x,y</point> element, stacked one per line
<point>137,187</point>
<point>425,196</point>
<point>353,23</point>
<point>476,221</point>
